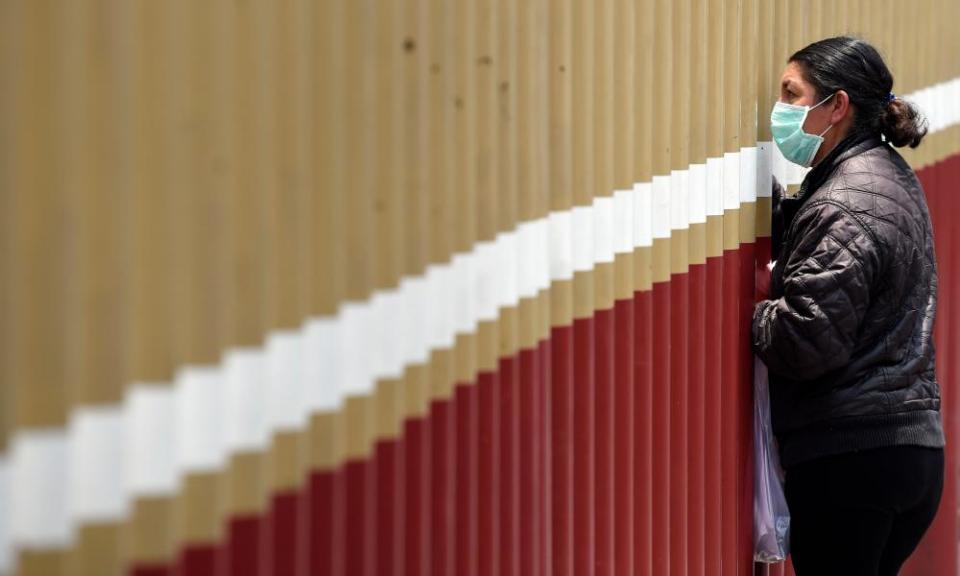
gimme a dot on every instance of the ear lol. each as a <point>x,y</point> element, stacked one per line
<point>839,107</point>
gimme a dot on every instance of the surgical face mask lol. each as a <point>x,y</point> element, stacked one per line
<point>786,126</point>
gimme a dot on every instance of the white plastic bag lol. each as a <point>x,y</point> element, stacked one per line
<point>771,518</point>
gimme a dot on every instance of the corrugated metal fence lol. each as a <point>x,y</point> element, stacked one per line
<point>361,287</point>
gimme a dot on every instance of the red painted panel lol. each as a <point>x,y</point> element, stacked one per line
<point>605,429</point>
<point>197,561</point>
<point>562,449</point>
<point>488,486</point>
<point>937,551</point>
<point>360,495</point>
<point>529,484</point>
<point>322,505</point>
<point>510,470</point>
<point>713,408</point>
<point>545,396</point>
<point>697,421</point>
<point>624,436</point>
<point>679,433</point>
<point>417,448</point>
<point>443,502</point>
<point>240,556</point>
<point>280,528</point>
<point>743,416</point>
<point>584,465</point>
<point>390,507</point>
<point>730,370</point>
<point>661,446</point>
<point>467,478</point>
<point>643,428</point>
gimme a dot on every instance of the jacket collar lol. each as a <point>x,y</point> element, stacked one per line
<point>852,145</point>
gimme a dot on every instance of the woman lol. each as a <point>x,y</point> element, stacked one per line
<point>847,331</point>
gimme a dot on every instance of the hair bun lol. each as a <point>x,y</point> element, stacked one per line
<point>903,124</point>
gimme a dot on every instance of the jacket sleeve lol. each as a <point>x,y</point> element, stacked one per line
<point>812,328</point>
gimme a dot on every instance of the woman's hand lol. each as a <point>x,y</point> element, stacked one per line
<point>762,280</point>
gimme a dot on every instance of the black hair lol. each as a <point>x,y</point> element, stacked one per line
<point>854,66</point>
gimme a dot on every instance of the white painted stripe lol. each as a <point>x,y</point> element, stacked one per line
<point>764,177</point>
<point>172,429</point>
<point>643,215</point>
<point>661,207</point>
<point>623,221</point>
<point>150,440</point>
<point>197,411</point>
<point>376,341</point>
<point>679,199</point>
<point>282,398</point>
<point>322,362</point>
<point>487,289</point>
<point>748,175</point>
<point>543,255</point>
<point>39,478</point>
<point>731,181</point>
<point>527,243</point>
<point>582,238</point>
<point>391,347</point>
<point>561,245</point>
<point>715,186</point>
<point>779,166</point>
<point>353,379</point>
<point>922,99</point>
<point>6,501</point>
<point>952,110</point>
<point>96,465</point>
<point>415,290</point>
<point>446,331</point>
<point>243,415</point>
<point>507,269</point>
<point>698,194</point>
<point>464,313</point>
<point>603,229</point>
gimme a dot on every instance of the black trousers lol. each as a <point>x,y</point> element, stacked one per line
<point>862,513</point>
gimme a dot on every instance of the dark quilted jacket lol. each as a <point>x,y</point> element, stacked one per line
<point>848,332</point>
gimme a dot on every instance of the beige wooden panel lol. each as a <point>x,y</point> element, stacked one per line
<point>236,179</point>
<point>584,181</point>
<point>748,105</point>
<point>699,126</point>
<point>39,229</point>
<point>732,85</point>
<point>389,401</point>
<point>284,203</point>
<point>625,55</point>
<point>680,128</point>
<point>194,235</point>
<point>40,232</point>
<point>10,42</point>
<point>768,67</point>
<point>603,139</point>
<point>714,110</point>
<point>663,101</point>
<point>541,204</point>
<point>326,435</point>
<point>489,60</point>
<point>98,176</point>
<point>560,155</point>
<point>92,170</point>
<point>149,320</point>
<point>664,135</point>
<point>715,30</point>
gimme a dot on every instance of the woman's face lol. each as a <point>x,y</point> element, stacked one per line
<point>797,91</point>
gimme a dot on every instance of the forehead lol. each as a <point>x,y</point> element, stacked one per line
<point>793,76</point>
